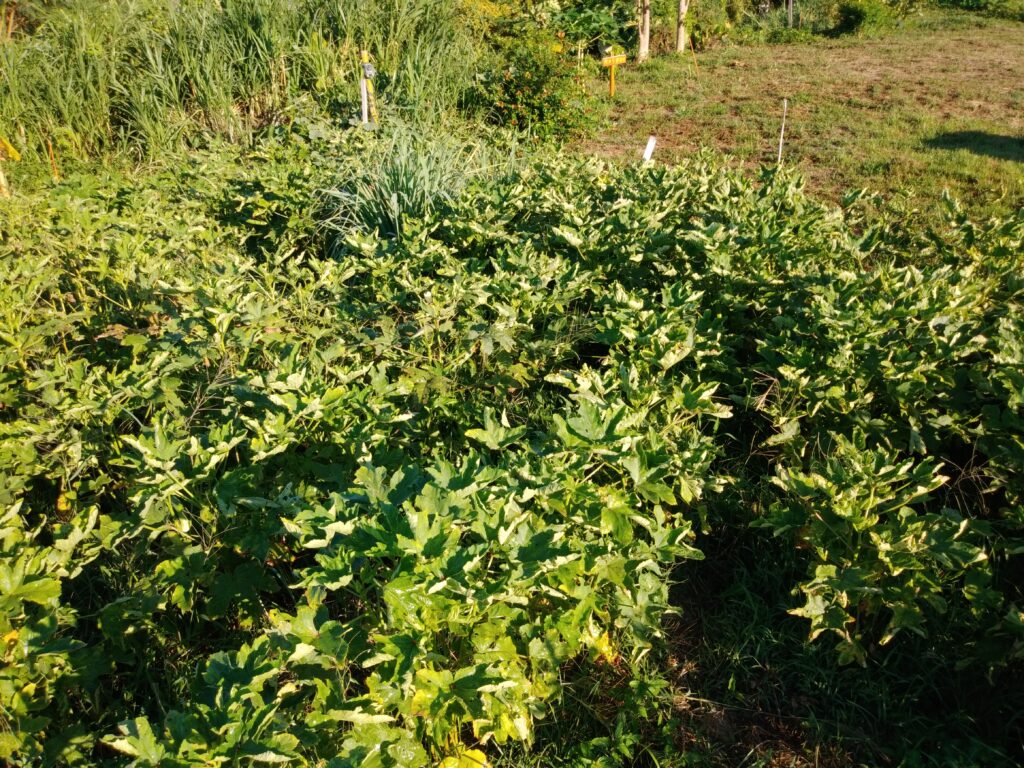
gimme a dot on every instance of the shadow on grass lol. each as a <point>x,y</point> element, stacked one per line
<point>981,143</point>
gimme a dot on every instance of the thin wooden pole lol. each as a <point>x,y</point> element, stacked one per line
<point>53,161</point>
<point>782,133</point>
<point>7,152</point>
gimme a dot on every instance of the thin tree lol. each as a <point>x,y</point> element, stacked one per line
<point>681,38</point>
<point>644,51</point>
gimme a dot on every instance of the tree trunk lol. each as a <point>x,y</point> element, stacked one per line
<point>644,52</point>
<point>681,38</point>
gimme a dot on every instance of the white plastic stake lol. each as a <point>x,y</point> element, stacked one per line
<point>649,152</point>
<point>366,100</point>
<point>782,133</point>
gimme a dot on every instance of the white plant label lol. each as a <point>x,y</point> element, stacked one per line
<point>649,152</point>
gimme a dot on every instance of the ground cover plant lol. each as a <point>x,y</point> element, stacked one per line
<point>371,495</point>
<point>438,445</point>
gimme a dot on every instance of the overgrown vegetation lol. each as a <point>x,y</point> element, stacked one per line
<point>436,446</point>
<point>144,76</point>
<point>278,505</point>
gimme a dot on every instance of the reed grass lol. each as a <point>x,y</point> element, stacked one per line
<point>143,76</point>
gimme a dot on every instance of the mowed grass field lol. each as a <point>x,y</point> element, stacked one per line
<point>937,104</point>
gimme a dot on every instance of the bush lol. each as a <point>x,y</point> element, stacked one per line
<point>381,508</point>
<point>857,16</point>
<point>384,506</point>
<point>527,82</point>
<point>591,25</point>
<point>1007,9</point>
<point>789,35</point>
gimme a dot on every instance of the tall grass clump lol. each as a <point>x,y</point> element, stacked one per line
<point>94,77</point>
<point>425,49</point>
<point>411,175</point>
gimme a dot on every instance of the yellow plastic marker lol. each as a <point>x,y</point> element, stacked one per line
<point>611,62</point>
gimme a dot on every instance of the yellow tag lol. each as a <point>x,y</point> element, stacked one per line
<point>9,149</point>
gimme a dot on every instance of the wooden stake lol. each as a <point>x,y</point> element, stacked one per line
<point>364,92</point>
<point>6,148</point>
<point>7,152</point>
<point>364,97</point>
<point>782,133</point>
<point>53,161</point>
<point>611,63</point>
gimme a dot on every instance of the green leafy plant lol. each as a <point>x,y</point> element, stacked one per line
<point>529,83</point>
<point>395,495</point>
<point>857,16</point>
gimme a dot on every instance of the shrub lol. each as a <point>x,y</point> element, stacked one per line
<point>592,25</point>
<point>1009,9</point>
<point>397,504</point>
<point>529,83</point>
<point>789,35</point>
<point>857,16</point>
